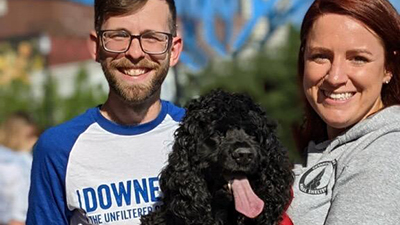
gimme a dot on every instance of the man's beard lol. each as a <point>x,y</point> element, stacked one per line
<point>138,93</point>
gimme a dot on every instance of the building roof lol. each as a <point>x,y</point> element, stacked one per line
<point>66,24</point>
<point>54,17</point>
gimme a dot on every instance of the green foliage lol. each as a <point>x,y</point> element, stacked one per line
<point>52,109</point>
<point>269,77</point>
<point>17,96</point>
<point>46,108</point>
<point>85,96</point>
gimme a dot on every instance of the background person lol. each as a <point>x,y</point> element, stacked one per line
<point>18,133</point>
<point>349,66</point>
<point>104,164</point>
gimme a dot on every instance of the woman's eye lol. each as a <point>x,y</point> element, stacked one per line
<point>319,57</point>
<point>359,59</point>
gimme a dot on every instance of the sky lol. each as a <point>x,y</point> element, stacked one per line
<point>87,2</point>
<point>396,3</point>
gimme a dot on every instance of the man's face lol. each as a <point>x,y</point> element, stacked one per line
<point>135,75</point>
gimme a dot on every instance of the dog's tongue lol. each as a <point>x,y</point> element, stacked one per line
<point>246,201</point>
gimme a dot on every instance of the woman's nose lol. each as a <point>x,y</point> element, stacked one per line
<point>337,74</point>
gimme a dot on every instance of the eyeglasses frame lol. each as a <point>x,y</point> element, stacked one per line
<point>132,36</point>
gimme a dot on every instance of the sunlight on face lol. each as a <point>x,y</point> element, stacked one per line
<point>344,69</point>
<point>135,76</point>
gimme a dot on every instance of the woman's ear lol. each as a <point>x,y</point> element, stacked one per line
<point>93,45</point>
<point>176,49</point>
<point>387,77</point>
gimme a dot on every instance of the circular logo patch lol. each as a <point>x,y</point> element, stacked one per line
<point>315,181</point>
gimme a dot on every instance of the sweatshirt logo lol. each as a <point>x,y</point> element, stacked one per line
<point>316,180</point>
<point>121,201</point>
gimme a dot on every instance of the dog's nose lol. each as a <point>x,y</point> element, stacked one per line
<point>242,156</point>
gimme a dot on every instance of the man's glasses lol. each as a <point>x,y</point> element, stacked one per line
<point>119,41</point>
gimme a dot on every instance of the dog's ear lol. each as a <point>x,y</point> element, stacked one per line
<point>276,174</point>
<point>262,127</point>
<point>185,193</point>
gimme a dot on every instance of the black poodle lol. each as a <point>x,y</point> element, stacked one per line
<point>227,166</point>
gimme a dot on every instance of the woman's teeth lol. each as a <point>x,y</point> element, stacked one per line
<point>339,96</point>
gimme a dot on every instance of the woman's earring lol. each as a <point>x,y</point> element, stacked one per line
<point>389,76</point>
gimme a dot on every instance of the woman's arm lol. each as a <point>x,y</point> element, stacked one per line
<point>368,189</point>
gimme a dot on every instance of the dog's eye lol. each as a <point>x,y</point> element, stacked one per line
<point>211,143</point>
<point>207,146</point>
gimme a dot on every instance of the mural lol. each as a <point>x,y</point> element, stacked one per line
<point>225,27</point>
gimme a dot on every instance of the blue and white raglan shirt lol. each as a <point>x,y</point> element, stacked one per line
<point>105,170</point>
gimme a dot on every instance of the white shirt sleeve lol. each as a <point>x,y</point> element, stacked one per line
<point>13,193</point>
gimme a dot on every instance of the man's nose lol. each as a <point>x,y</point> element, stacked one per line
<point>135,51</point>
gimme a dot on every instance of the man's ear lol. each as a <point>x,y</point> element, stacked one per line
<point>176,49</point>
<point>93,45</point>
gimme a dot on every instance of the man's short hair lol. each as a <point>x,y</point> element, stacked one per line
<point>103,9</point>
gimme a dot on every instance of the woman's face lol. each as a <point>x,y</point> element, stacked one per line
<point>344,70</point>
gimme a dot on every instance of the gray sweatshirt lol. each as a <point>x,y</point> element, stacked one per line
<point>354,178</point>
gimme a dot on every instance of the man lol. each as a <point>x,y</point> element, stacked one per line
<point>103,165</point>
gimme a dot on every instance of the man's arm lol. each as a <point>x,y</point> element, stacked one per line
<point>47,204</point>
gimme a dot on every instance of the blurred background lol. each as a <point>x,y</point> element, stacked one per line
<point>239,45</point>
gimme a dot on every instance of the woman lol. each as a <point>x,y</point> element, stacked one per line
<point>349,67</point>
<point>18,133</point>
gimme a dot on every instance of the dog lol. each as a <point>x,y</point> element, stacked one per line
<point>227,167</point>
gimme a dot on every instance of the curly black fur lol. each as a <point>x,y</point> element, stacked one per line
<point>194,181</point>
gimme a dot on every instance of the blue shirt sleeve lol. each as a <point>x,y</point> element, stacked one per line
<point>47,197</point>
<point>47,202</point>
